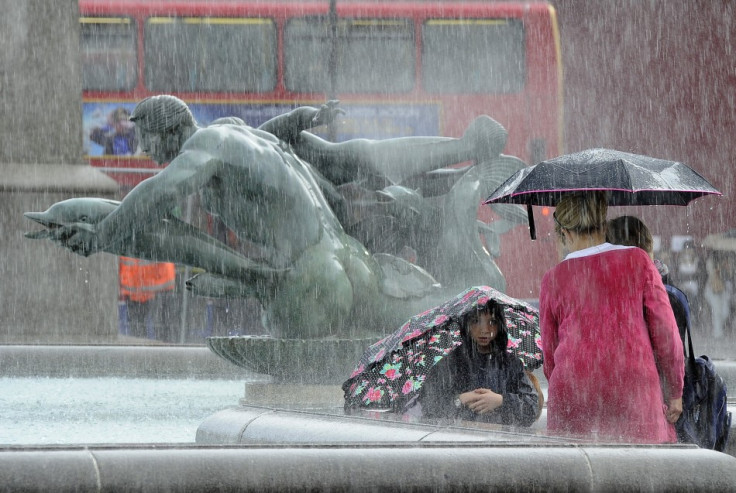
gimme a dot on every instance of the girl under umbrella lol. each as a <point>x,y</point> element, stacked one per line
<point>469,358</point>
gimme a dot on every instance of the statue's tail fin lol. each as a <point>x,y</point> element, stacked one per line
<point>486,137</point>
<point>492,174</point>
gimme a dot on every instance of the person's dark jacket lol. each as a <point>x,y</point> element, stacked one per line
<point>678,301</point>
<point>465,370</point>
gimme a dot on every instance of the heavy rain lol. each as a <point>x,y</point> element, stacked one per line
<point>220,315</point>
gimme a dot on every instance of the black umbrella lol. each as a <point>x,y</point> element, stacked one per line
<point>629,179</point>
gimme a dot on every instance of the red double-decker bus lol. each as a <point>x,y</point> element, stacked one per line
<point>399,68</point>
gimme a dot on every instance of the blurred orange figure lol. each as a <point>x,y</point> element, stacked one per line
<point>140,283</point>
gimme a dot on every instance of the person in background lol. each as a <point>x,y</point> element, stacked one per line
<point>688,272</point>
<point>608,334</point>
<point>143,288</point>
<point>480,380</point>
<point>117,137</point>
<point>631,231</point>
<point>719,290</point>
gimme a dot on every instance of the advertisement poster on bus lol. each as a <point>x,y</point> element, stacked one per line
<point>108,131</point>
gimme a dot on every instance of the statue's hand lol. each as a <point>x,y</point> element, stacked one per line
<point>327,113</point>
<point>80,238</point>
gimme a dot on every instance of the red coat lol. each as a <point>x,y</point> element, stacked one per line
<point>606,324</point>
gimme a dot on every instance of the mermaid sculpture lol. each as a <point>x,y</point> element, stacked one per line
<point>285,194</point>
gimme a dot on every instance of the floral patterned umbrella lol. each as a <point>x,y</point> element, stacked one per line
<point>391,371</point>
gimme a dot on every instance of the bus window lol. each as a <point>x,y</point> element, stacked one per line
<point>473,56</point>
<point>108,51</point>
<point>374,55</point>
<point>210,54</point>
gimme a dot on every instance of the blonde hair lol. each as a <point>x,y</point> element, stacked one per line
<point>630,231</point>
<point>581,212</point>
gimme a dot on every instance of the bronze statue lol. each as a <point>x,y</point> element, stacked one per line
<point>312,278</point>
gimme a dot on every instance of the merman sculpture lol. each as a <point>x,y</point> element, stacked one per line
<point>313,279</point>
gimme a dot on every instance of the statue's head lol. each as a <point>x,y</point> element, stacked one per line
<point>161,124</point>
<point>158,114</point>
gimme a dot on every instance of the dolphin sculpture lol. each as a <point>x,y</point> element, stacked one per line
<point>79,210</point>
<point>170,237</point>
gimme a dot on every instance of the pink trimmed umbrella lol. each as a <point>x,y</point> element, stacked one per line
<point>630,179</point>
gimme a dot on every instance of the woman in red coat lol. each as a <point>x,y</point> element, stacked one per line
<point>607,327</point>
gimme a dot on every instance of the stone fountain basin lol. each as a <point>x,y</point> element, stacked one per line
<point>309,361</point>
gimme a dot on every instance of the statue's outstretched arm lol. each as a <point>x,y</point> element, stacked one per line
<point>173,240</point>
<point>149,202</point>
<point>288,126</point>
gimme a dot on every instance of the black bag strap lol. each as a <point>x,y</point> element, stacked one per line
<point>690,352</point>
<point>682,298</point>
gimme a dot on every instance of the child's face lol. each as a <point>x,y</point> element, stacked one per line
<point>483,330</point>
